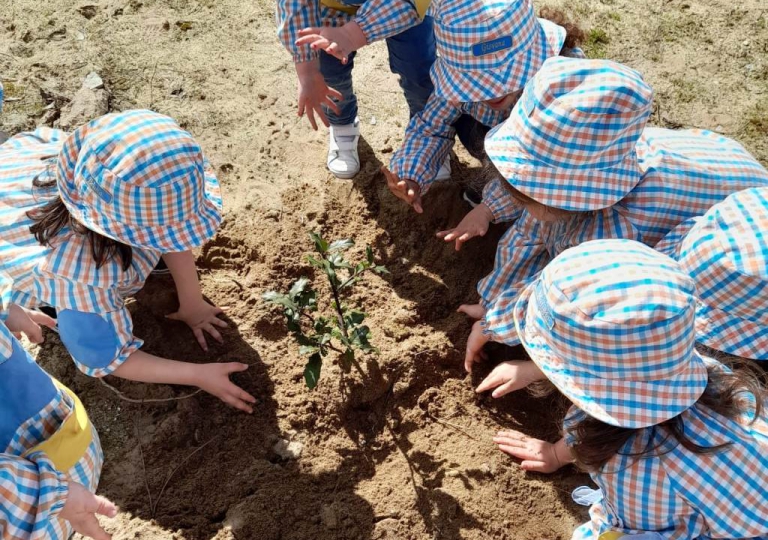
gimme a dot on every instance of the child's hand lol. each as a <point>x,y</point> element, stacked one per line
<point>27,321</point>
<point>214,379</point>
<point>475,223</point>
<point>81,508</point>
<point>510,376</point>
<point>314,93</point>
<point>538,456</point>
<point>339,41</point>
<point>201,316</point>
<point>407,190</point>
<point>473,311</point>
<point>475,344</point>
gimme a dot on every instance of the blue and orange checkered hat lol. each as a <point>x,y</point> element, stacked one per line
<point>726,254</point>
<point>138,178</point>
<point>569,143</point>
<point>2,96</point>
<point>489,48</point>
<point>611,324</point>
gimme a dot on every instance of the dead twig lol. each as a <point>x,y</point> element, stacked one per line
<point>147,400</point>
<point>143,463</point>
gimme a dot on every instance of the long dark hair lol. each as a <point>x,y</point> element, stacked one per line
<point>574,35</point>
<point>727,394</point>
<point>53,216</point>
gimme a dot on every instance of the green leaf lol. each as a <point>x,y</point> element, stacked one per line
<point>314,262</point>
<point>312,371</point>
<point>320,244</point>
<point>341,245</point>
<point>337,261</point>
<point>280,299</point>
<point>308,349</point>
<point>380,269</point>
<point>354,318</point>
<point>369,254</point>
<point>298,287</point>
<point>359,337</point>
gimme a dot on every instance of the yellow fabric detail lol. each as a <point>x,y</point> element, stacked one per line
<point>335,4</point>
<point>611,535</point>
<point>68,445</point>
<point>421,7</point>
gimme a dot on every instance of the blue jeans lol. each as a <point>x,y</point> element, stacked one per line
<point>411,55</point>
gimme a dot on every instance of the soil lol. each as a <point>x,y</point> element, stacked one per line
<point>406,452</point>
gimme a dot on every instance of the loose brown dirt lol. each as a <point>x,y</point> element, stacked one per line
<point>405,453</point>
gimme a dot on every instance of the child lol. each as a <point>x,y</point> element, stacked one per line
<point>488,51</point>
<point>678,446</point>
<point>577,157</point>
<point>726,254</point>
<point>50,455</point>
<point>83,220</point>
<point>324,79</point>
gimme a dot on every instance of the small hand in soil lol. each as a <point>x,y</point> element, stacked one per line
<point>406,190</point>
<point>81,508</point>
<point>314,93</point>
<point>214,379</point>
<point>473,311</point>
<point>475,223</point>
<point>338,41</point>
<point>510,376</point>
<point>537,455</point>
<point>26,321</point>
<point>201,316</point>
<point>477,339</point>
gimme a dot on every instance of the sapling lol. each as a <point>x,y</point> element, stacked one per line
<point>336,327</point>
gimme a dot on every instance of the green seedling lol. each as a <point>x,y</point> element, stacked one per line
<point>336,327</point>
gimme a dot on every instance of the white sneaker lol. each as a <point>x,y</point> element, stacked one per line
<point>445,170</point>
<point>343,160</point>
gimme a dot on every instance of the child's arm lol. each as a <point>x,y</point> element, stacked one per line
<point>374,21</point>
<point>193,309</point>
<point>34,483</point>
<point>537,455</point>
<point>501,205</point>
<point>475,223</point>
<point>213,378</point>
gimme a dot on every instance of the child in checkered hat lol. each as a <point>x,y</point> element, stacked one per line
<point>87,215</point>
<point>726,253</point>
<point>50,455</point>
<point>677,445</point>
<point>488,51</point>
<point>576,158</point>
<point>325,78</point>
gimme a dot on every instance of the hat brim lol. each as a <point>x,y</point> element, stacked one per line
<point>728,333</point>
<point>557,187</point>
<point>179,236</point>
<point>618,402</point>
<point>473,86</point>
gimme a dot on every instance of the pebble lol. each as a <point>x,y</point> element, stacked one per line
<point>287,449</point>
<point>373,120</point>
<point>93,81</point>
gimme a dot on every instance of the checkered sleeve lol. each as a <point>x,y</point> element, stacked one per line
<point>292,16</point>
<point>428,141</point>
<point>98,342</point>
<point>33,493</point>
<point>380,19</point>
<point>503,206</point>
<point>670,244</point>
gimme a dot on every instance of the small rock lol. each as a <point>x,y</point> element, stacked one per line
<point>79,36</point>
<point>387,149</point>
<point>485,468</point>
<point>328,515</point>
<point>89,11</point>
<point>452,473</point>
<point>373,120</point>
<point>93,81</point>
<point>288,450</point>
<point>86,105</point>
<point>184,26</point>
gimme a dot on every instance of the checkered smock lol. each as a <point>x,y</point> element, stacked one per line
<point>32,409</point>
<point>679,494</point>
<point>94,323</point>
<point>683,173</point>
<point>378,19</point>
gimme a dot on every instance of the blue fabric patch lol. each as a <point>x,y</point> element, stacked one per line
<point>90,339</point>
<point>543,306</point>
<point>94,185</point>
<point>24,390</point>
<point>493,46</point>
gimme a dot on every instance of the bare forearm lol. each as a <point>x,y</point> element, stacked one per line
<point>144,367</point>
<point>182,268</point>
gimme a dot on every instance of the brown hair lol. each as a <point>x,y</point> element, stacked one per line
<point>51,217</point>
<point>574,36</point>
<point>726,394</point>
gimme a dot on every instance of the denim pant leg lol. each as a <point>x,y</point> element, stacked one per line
<point>411,55</point>
<point>339,77</point>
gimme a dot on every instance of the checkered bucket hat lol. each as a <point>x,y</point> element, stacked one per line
<point>138,178</point>
<point>2,96</point>
<point>611,324</point>
<point>489,48</point>
<point>726,254</point>
<point>570,141</point>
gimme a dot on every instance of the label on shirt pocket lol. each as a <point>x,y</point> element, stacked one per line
<point>493,46</point>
